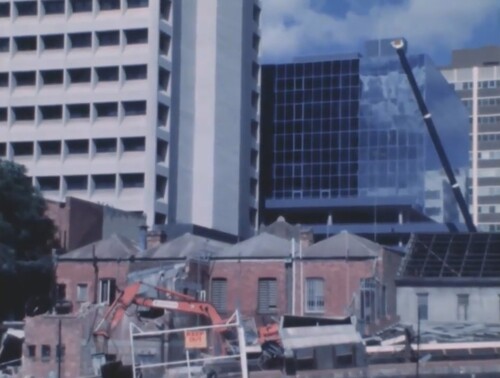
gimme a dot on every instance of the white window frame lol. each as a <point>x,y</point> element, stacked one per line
<point>79,291</point>
<point>315,295</point>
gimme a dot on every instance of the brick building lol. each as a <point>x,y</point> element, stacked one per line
<point>268,276</point>
<point>79,222</point>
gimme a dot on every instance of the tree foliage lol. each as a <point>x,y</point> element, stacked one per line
<point>23,226</point>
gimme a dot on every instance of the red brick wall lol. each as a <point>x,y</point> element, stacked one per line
<point>242,282</point>
<point>43,330</point>
<point>73,273</point>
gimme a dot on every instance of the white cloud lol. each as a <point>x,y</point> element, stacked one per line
<point>290,27</point>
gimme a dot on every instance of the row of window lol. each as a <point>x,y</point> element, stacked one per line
<point>488,137</point>
<point>483,102</point>
<point>462,307</point>
<point>45,352</point>
<point>97,182</point>
<point>317,111</point>
<point>81,40</point>
<point>317,84</point>
<point>488,119</point>
<point>318,69</point>
<point>73,111</point>
<point>484,84</point>
<point>80,76</point>
<point>267,295</point>
<point>488,191</point>
<point>80,147</point>
<point>489,155</point>
<point>488,172</point>
<point>488,209</point>
<point>59,7</point>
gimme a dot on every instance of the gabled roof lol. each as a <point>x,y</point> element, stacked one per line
<point>187,245</point>
<point>344,245</point>
<point>114,247</point>
<point>282,229</point>
<point>260,246</point>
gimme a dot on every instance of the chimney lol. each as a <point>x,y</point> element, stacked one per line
<point>155,238</point>
<point>143,238</point>
<point>306,238</point>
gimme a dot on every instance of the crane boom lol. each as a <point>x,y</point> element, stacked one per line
<point>399,45</point>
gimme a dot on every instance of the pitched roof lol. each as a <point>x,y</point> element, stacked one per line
<point>187,245</point>
<point>282,229</point>
<point>344,245</point>
<point>114,247</point>
<point>262,245</point>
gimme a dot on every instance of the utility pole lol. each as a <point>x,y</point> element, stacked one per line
<point>418,344</point>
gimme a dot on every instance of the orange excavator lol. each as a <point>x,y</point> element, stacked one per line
<point>267,337</point>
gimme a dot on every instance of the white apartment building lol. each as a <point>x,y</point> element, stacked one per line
<point>475,73</point>
<point>145,105</point>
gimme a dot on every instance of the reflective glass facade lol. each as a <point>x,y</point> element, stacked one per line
<point>348,132</point>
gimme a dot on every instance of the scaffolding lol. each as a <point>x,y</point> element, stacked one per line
<point>201,347</point>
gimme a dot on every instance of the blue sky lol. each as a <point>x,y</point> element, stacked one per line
<point>293,28</point>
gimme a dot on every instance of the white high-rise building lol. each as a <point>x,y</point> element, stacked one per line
<point>475,74</point>
<point>145,105</point>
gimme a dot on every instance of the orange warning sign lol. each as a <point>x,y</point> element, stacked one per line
<point>195,339</point>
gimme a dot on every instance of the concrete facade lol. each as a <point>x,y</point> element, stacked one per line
<point>483,304</point>
<point>147,106</point>
<point>475,75</point>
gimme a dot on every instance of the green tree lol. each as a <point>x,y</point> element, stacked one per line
<point>23,226</point>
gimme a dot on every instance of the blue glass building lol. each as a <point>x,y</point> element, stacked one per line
<point>344,145</point>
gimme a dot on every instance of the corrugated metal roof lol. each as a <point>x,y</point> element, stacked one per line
<point>187,245</point>
<point>114,247</point>
<point>344,245</point>
<point>262,245</point>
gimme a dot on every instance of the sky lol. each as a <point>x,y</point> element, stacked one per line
<point>298,28</point>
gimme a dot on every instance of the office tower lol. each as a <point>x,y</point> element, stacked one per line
<point>346,146</point>
<point>145,105</point>
<point>475,75</point>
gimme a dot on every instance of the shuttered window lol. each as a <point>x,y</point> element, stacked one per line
<point>219,294</point>
<point>267,295</point>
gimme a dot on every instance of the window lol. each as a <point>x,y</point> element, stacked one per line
<point>53,42</point>
<point>106,109</point>
<point>4,44</point>
<point>218,294</point>
<point>104,182</point>
<point>22,148</point>
<point>160,218</point>
<point>256,13</point>
<point>107,145</point>
<point>255,41</point>
<point>45,353</point>
<point>26,8</point>
<point>78,182</point>
<point>53,6</point>
<point>79,6</point>
<point>50,183</point>
<point>163,79</point>
<point>164,43</point>
<point>50,147</point>
<point>60,352</point>
<point>162,115</point>
<point>31,351</point>
<point>78,111</point>
<point>4,10</point>
<point>79,75</point>
<point>51,77</point>
<point>137,3</point>
<point>25,43</point>
<point>315,300</point>
<point>25,78</point>
<point>107,73</point>
<point>51,112</point>
<point>267,295</point>
<point>107,290</point>
<point>132,108</point>
<point>24,113</point>
<point>165,6</point>
<point>423,306</point>
<point>109,4</point>
<point>132,180</point>
<point>462,307</point>
<point>161,151</point>
<point>136,72</point>
<point>136,36</point>
<point>3,149</point>
<point>80,40</point>
<point>133,144</point>
<point>3,114</point>
<point>108,38</point>
<point>80,146</point>
<point>61,292</point>
<point>82,292</point>
<point>161,187</point>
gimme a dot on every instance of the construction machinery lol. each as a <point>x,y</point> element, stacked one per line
<point>400,46</point>
<point>262,343</point>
